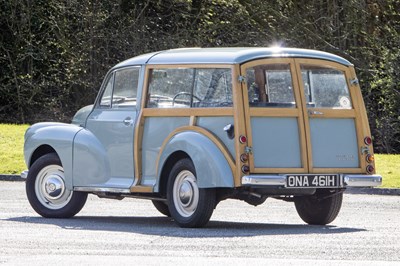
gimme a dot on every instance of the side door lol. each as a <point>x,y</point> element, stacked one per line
<point>334,129</point>
<point>112,122</point>
<point>274,117</point>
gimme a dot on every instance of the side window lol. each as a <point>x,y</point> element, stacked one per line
<point>170,88</point>
<point>125,87</point>
<point>107,94</point>
<point>121,89</point>
<point>213,88</point>
<point>325,87</point>
<point>270,86</point>
<point>190,87</point>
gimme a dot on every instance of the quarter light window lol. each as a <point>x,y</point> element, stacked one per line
<point>325,87</point>
<point>190,87</point>
<point>270,86</point>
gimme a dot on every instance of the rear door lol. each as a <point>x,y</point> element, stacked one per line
<point>331,120</point>
<point>274,117</point>
<point>300,117</point>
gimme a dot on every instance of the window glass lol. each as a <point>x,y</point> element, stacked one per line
<point>189,87</point>
<point>213,88</point>
<point>125,87</point>
<point>325,87</point>
<point>106,97</point>
<point>270,86</point>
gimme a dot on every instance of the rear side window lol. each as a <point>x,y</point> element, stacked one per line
<point>190,87</point>
<point>325,87</point>
<point>121,89</point>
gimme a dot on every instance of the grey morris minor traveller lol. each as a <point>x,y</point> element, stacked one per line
<point>188,128</point>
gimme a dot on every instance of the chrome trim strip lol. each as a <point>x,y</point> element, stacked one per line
<point>264,180</point>
<point>103,189</point>
<point>362,180</point>
<point>24,174</point>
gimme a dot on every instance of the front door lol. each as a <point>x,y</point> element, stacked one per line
<point>300,117</point>
<point>112,122</point>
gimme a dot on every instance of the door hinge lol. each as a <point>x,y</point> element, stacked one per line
<point>242,79</point>
<point>248,150</point>
<point>354,82</point>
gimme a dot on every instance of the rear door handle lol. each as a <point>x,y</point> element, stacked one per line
<point>312,112</point>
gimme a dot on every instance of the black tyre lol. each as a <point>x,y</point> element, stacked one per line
<point>46,190</point>
<point>162,207</point>
<point>319,209</point>
<point>188,204</point>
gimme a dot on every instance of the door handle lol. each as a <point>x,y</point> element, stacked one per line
<point>312,112</point>
<point>128,121</point>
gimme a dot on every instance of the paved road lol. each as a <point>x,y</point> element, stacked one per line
<point>132,232</point>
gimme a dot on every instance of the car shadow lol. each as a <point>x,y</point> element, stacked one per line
<point>165,226</point>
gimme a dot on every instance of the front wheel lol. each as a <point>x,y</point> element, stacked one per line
<point>47,192</point>
<point>188,204</point>
<point>319,209</point>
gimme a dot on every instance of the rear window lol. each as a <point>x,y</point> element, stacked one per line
<point>325,87</point>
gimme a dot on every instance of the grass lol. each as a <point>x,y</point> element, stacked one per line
<point>12,159</point>
<point>388,165</point>
<point>11,148</point>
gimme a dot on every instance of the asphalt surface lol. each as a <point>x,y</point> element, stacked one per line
<point>132,232</point>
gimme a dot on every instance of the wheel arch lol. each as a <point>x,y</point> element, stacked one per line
<point>45,138</point>
<point>40,151</point>
<point>206,153</point>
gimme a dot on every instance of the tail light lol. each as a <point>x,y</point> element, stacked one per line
<point>245,169</point>
<point>370,158</point>
<point>370,169</point>
<point>242,139</point>
<point>244,157</point>
<point>368,141</point>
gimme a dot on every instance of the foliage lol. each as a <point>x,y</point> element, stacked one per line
<point>54,54</point>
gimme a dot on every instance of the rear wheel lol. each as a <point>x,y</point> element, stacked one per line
<point>189,205</point>
<point>162,207</point>
<point>47,192</point>
<point>319,209</point>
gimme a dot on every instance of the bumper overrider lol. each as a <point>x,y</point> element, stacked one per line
<point>282,180</point>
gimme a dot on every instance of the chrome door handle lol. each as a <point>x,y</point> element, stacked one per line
<point>128,121</point>
<point>311,112</point>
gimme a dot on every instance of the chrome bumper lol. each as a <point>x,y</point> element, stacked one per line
<point>280,180</point>
<point>24,174</point>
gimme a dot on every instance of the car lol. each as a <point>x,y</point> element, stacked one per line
<point>187,128</point>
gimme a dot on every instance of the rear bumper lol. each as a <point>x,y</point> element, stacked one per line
<point>280,180</point>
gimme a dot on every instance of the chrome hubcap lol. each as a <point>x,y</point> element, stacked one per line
<point>186,193</point>
<point>54,186</point>
<point>50,187</point>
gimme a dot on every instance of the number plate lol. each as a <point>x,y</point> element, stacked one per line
<point>304,181</point>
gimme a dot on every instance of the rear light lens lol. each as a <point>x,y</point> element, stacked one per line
<point>242,139</point>
<point>244,158</point>
<point>245,169</point>
<point>370,169</point>
<point>368,141</point>
<point>370,158</point>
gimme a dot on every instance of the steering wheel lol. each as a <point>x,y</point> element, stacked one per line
<point>184,93</point>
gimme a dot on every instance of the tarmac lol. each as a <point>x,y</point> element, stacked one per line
<point>353,190</point>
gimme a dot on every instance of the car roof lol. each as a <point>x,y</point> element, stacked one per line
<point>233,55</point>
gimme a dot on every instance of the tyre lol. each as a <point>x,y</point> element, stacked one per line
<point>162,207</point>
<point>46,190</point>
<point>189,205</point>
<point>319,209</point>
